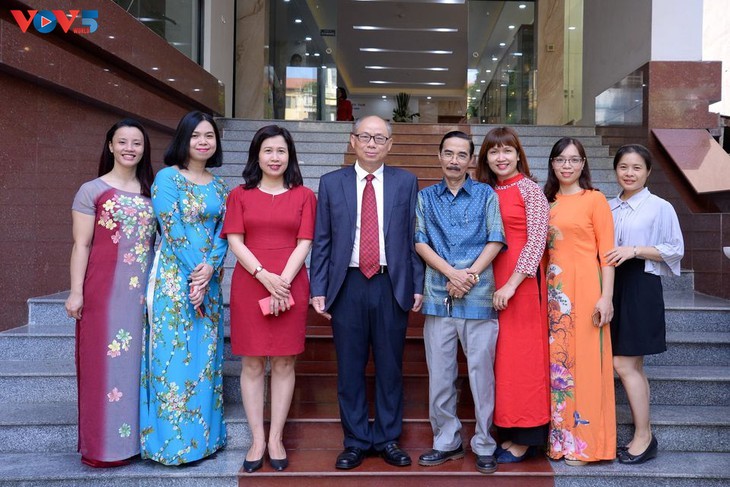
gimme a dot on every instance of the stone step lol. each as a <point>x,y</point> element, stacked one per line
<point>675,469</point>
<point>66,470</point>
<point>55,380</point>
<point>52,426</point>
<point>57,342</point>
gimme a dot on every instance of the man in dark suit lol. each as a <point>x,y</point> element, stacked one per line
<point>366,276</point>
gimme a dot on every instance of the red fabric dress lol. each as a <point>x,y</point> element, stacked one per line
<point>521,367</point>
<point>271,226</point>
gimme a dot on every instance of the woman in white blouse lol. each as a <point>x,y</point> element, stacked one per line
<point>649,244</point>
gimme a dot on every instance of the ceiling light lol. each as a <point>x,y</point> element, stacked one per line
<point>316,54</point>
<point>488,71</point>
<point>324,67</point>
<point>306,54</point>
<point>478,90</point>
<point>430,83</point>
<point>197,89</point>
<point>170,79</point>
<point>409,69</point>
<point>502,44</point>
<point>297,21</point>
<point>307,38</point>
<point>510,27</point>
<point>407,29</point>
<point>517,54</point>
<point>407,51</point>
<point>572,27</point>
<point>155,68</point>
<point>482,81</point>
<point>494,58</point>
<point>383,97</point>
<point>523,6</point>
<point>428,98</point>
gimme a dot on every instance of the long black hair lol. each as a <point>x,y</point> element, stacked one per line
<point>552,185</point>
<point>252,173</point>
<point>143,172</point>
<point>178,152</point>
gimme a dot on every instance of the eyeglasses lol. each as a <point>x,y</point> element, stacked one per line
<point>365,138</point>
<point>448,155</point>
<point>573,161</point>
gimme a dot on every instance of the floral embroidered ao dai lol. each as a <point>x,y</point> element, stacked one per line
<point>109,334</point>
<point>583,411</point>
<point>182,379</point>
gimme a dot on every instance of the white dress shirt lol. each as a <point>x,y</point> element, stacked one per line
<point>647,220</point>
<point>360,174</point>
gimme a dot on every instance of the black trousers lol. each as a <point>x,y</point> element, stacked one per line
<point>367,316</point>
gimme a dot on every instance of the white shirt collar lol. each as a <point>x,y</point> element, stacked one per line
<point>361,173</point>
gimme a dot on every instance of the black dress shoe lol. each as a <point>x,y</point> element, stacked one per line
<point>350,458</point>
<point>279,465</point>
<point>650,452</point>
<point>436,457</point>
<point>252,466</point>
<point>393,455</point>
<point>486,463</point>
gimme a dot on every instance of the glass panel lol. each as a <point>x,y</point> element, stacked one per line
<point>302,77</point>
<point>623,103</point>
<point>176,21</point>
<point>501,76</point>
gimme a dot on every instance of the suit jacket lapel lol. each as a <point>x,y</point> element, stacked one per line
<point>349,189</point>
<point>389,189</point>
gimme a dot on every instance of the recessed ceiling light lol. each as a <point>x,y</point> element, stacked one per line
<point>431,83</point>
<point>482,81</point>
<point>170,79</point>
<point>409,69</point>
<point>406,29</point>
<point>494,58</point>
<point>324,67</point>
<point>306,54</point>
<point>572,27</point>
<point>502,44</point>
<point>517,54</point>
<point>383,97</point>
<point>155,68</point>
<point>407,51</point>
<point>522,5</point>
<point>316,54</point>
<point>488,71</point>
<point>197,89</point>
<point>510,27</point>
<point>478,90</point>
<point>307,38</point>
<point>297,21</point>
<point>428,98</point>
<point>112,37</point>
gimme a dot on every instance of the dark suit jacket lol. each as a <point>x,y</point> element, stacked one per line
<point>334,234</point>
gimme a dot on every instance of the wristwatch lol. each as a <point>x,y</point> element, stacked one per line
<point>257,270</point>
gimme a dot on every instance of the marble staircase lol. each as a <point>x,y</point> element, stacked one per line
<point>690,382</point>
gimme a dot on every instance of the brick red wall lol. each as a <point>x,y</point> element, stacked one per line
<point>60,93</point>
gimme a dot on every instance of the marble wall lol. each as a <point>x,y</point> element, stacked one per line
<point>250,79</point>
<point>550,62</point>
<point>60,94</point>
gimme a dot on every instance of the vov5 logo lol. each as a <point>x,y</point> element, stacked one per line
<point>44,21</point>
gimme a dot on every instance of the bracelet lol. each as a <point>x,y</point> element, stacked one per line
<point>258,269</point>
<point>476,277</point>
<point>634,251</point>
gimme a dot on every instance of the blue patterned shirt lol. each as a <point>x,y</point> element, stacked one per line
<point>458,228</point>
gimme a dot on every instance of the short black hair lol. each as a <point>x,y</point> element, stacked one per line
<point>639,149</point>
<point>178,152</point>
<point>459,135</point>
<point>144,167</point>
<point>252,173</point>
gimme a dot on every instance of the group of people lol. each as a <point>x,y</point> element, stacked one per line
<point>547,291</point>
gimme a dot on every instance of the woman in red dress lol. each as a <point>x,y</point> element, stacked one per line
<point>522,400</point>
<point>269,225</point>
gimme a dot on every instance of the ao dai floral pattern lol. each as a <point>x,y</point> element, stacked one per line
<point>182,380</point>
<point>583,416</point>
<point>109,335</point>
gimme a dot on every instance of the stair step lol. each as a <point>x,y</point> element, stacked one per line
<point>66,470</point>
<point>678,469</point>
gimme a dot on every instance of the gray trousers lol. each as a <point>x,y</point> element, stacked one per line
<point>478,340</point>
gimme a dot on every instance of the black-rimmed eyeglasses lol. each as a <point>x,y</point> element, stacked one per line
<point>365,138</point>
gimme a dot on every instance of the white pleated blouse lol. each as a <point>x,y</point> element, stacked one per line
<point>647,220</point>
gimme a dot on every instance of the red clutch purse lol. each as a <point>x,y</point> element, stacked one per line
<point>265,304</point>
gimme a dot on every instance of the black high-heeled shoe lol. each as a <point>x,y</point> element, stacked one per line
<point>650,452</point>
<point>250,466</point>
<point>279,465</point>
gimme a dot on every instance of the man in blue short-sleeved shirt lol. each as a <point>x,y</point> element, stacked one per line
<point>458,233</point>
